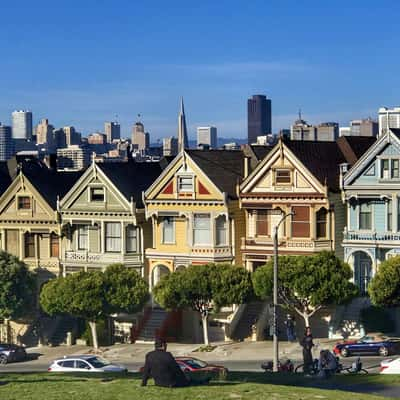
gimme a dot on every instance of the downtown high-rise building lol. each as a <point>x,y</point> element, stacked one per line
<point>140,138</point>
<point>72,137</point>
<point>22,124</point>
<point>388,118</point>
<point>6,143</point>
<point>44,133</point>
<point>207,137</point>
<point>259,117</point>
<point>361,127</point>
<point>170,146</point>
<point>112,131</point>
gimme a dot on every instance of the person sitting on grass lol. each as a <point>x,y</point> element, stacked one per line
<point>327,364</point>
<point>162,367</point>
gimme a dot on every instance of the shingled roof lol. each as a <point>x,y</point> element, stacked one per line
<point>223,167</point>
<point>132,178</point>
<point>49,182</point>
<point>322,159</point>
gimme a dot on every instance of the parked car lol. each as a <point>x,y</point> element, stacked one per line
<point>12,353</point>
<point>85,363</point>
<point>375,344</point>
<point>391,366</point>
<point>191,364</point>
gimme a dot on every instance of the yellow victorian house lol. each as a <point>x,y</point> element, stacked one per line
<point>195,214</point>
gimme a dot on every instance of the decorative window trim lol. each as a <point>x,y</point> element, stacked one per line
<point>286,170</point>
<point>19,203</point>
<point>178,183</point>
<point>90,194</point>
<point>163,241</point>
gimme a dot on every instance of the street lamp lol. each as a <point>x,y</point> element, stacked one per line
<point>275,296</point>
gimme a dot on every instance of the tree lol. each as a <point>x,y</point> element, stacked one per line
<point>384,287</point>
<point>204,288</point>
<point>17,287</point>
<point>94,295</point>
<point>307,283</point>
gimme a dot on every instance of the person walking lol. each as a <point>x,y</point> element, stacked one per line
<point>291,337</point>
<point>307,344</point>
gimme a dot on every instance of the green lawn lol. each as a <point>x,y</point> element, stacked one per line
<point>238,386</point>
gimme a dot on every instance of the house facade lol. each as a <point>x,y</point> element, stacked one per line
<point>301,179</point>
<point>103,219</point>
<point>194,211</point>
<point>371,193</point>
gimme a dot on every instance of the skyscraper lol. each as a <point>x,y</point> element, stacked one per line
<point>170,146</point>
<point>6,143</point>
<point>112,131</point>
<point>258,117</point>
<point>72,137</point>
<point>140,138</point>
<point>22,125</point>
<point>207,135</point>
<point>183,141</point>
<point>44,132</point>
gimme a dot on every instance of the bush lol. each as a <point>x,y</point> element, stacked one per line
<point>377,319</point>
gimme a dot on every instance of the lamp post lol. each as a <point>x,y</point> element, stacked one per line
<point>275,296</point>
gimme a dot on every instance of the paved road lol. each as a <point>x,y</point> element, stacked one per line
<point>41,364</point>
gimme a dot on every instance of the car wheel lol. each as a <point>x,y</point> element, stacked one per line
<point>3,359</point>
<point>344,352</point>
<point>383,351</point>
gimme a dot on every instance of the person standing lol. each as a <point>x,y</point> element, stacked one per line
<point>291,337</point>
<point>307,344</point>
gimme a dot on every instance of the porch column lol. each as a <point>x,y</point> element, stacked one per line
<point>21,244</point>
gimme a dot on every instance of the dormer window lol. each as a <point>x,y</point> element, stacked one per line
<point>283,176</point>
<point>24,203</point>
<point>185,184</point>
<point>97,194</point>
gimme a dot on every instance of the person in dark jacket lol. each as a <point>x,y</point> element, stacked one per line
<point>162,367</point>
<point>307,344</point>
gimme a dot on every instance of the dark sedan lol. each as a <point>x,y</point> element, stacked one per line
<point>11,353</point>
<point>376,344</point>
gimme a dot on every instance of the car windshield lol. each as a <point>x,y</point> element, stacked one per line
<point>98,362</point>
<point>196,364</point>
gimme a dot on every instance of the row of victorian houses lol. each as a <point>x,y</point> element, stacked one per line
<point>207,206</point>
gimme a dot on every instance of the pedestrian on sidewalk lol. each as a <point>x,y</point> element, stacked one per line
<point>307,344</point>
<point>290,324</point>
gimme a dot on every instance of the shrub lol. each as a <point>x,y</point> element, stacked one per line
<point>377,319</point>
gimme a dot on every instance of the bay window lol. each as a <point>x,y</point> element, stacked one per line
<point>113,237</point>
<point>321,222</point>
<point>262,223</point>
<point>301,221</point>
<point>168,230</point>
<point>83,237</point>
<point>365,215</point>
<point>29,245</point>
<point>221,230</point>
<point>389,217</point>
<point>131,239</point>
<point>202,229</point>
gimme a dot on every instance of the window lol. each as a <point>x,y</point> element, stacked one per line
<point>282,176</point>
<point>83,237</point>
<point>221,230</point>
<point>24,203</point>
<point>262,223</point>
<point>131,239</point>
<point>385,169</point>
<point>54,245</point>
<point>29,245</point>
<point>96,194</point>
<point>67,364</point>
<point>389,206</point>
<point>301,221</point>
<point>365,215</point>
<point>395,169</point>
<point>321,222</point>
<point>168,230</point>
<point>82,364</point>
<point>185,184</point>
<point>201,229</point>
<point>113,237</point>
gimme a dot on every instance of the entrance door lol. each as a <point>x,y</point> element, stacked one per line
<point>363,272</point>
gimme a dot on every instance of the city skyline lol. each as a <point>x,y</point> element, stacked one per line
<point>324,70</point>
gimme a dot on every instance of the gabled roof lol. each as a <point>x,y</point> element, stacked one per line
<point>322,159</point>
<point>48,182</point>
<point>260,151</point>
<point>132,178</point>
<point>223,167</point>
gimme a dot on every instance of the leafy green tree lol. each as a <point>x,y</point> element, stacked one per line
<point>307,283</point>
<point>204,288</point>
<point>17,287</point>
<point>384,287</point>
<point>94,295</point>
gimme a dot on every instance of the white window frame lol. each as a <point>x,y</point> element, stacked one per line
<point>173,222</point>
<point>128,238</point>
<point>209,243</point>
<point>225,230</point>
<point>94,187</point>
<point>106,247</point>
<point>79,236</point>
<point>178,185</point>
<point>283,183</point>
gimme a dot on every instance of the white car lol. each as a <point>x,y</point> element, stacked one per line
<point>390,366</point>
<point>85,363</point>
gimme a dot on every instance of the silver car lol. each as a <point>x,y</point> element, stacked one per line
<point>85,363</point>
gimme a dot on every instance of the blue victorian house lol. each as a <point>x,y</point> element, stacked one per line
<point>371,190</point>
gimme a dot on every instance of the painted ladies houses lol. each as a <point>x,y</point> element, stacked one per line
<point>103,220</point>
<point>371,192</point>
<point>30,225</point>
<point>300,177</point>
<point>194,210</point>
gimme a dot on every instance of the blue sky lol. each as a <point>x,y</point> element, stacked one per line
<point>83,62</point>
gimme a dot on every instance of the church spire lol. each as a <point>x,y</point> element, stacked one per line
<point>183,142</point>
